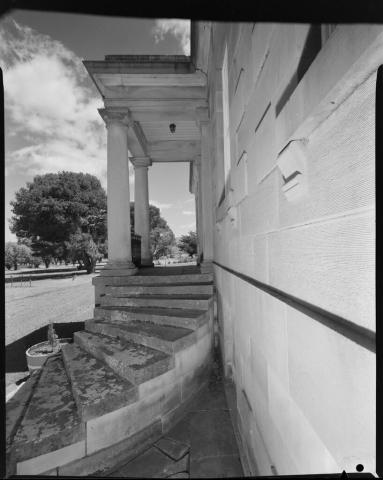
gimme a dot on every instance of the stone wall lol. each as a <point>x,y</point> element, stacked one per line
<point>297,215</point>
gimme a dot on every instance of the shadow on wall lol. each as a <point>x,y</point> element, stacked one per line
<point>15,360</point>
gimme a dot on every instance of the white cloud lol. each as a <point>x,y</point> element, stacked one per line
<point>160,205</point>
<point>188,212</point>
<point>50,104</point>
<point>179,28</point>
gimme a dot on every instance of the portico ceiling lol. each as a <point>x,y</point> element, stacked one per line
<point>155,91</point>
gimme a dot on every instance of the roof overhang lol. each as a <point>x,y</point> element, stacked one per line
<point>155,91</point>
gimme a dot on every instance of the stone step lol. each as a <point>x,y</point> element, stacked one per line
<point>133,361</point>
<point>96,388</point>
<point>51,421</point>
<point>155,289</point>
<point>198,302</point>
<point>154,279</point>
<point>166,338</point>
<point>176,317</point>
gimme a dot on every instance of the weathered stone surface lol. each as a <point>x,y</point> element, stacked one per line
<point>132,361</point>
<point>161,337</point>
<point>51,420</point>
<point>178,317</point>
<point>211,434</point>
<point>16,406</point>
<point>150,276</point>
<point>216,467</point>
<point>188,301</point>
<point>192,381</point>
<point>106,461</point>
<point>96,388</point>
<point>155,288</point>
<point>179,475</point>
<point>172,448</point>
<point>51,460</point>
<point>152,464</point>
<point>15,409</point>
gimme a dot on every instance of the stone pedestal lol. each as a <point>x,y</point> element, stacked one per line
<point>141,207</point>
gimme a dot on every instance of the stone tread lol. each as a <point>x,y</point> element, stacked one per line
<point>170,296</point>
<point>171,312</point>
<point>51,420</point>
<point>131,360</point>
<point>161,279</point>
<point>168,284</point>
<point>163,332</point>
<point>17,405</point>
<point>97,389</point>
<point>166,338</point>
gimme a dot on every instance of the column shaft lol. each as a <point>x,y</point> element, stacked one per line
<point>206,191</point>
<point>118,200</point>
<point>141,208</point>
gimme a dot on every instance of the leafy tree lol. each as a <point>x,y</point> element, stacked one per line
<point>82,249</point>
<point>161,242</point>
<point>54,207</point>
<point>188,243</point>
<point>161,235</point>
<point>16,255</point>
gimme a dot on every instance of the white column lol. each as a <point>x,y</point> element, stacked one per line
<point>141,207</point>
<point>206,192</point>
<point>118,197</point>
<point>198,206</point>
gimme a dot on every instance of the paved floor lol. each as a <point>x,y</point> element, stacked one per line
<point>202,445</point>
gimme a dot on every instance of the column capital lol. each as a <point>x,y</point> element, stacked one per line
<point>140,162</point>
<point>116,116</point>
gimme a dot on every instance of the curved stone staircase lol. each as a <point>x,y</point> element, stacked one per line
<point>123,383</point>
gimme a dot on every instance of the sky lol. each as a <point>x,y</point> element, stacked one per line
<point>51,118</point>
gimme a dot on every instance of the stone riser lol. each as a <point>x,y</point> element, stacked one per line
<point>149,341</point>
<point>176,321</point>
<point>152,280</point>
<point>159,290</point>
<point>155,302</point>
<point>122,368</point>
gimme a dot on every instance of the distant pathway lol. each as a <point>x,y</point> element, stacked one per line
<point>29,308</point>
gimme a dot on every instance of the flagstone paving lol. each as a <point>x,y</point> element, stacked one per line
<point>201,445</point>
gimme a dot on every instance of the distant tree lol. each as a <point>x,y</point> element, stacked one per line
<point>162,241</point>
<point>16,255</point>
<point>188,243</point>
<point>161,235</point>
<point>54,207</point>
<point>83,249</point>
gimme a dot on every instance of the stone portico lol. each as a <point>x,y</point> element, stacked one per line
<point>143,96</point>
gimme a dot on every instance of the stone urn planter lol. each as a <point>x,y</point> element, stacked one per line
<point>37,354</point>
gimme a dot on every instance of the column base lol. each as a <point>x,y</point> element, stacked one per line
<point>206,267</point>
<point>147,262</point>
<point>118,269</point>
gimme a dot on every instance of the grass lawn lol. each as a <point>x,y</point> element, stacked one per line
<point>62,300</point>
